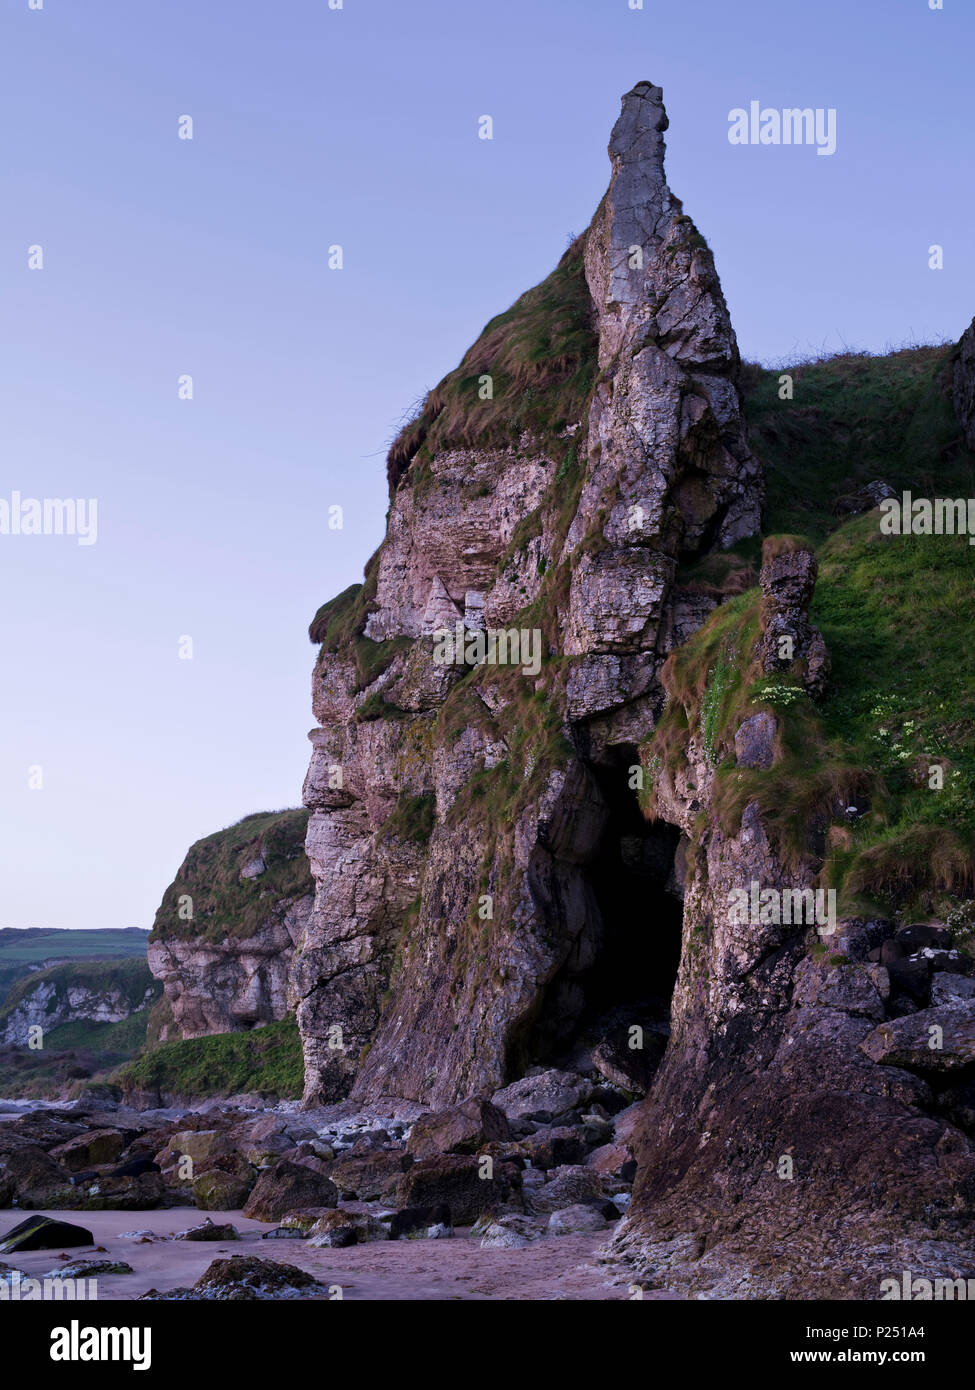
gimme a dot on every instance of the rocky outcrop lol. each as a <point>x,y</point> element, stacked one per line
<point>787,581</point>
<point>800,1107</point>
<point>224,935</point>
<point>444,951</point>
<point>963,383</point>
<point>227,986</point>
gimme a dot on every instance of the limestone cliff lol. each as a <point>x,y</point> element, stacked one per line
<point>784,1123</point>
<point>223,937</point>
<point>590,442</point>
<point>520,860</point>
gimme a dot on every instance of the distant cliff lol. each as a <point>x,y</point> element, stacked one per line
<point>24,950</point>
<point>80,992</point>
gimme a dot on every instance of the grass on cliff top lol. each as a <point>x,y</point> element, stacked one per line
<point>338,628</point>
<point>223,903</point>
<point>541,355</point>
<point>267,1060</point>
<point>854,418</point>
<point>130,978</point>
<point>895,613</point>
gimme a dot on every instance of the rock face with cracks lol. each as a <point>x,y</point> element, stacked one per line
<point>442,945</point>
<point>224,935</point>
<point>963,383</point>
<point>469,925</point>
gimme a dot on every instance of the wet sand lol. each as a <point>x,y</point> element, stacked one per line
<point>561,1267</point>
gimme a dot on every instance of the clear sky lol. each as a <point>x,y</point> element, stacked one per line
<point>357,126</point>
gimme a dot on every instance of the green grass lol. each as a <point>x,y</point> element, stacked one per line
<point>896,615</point>
<point>895,612</point>
<point>706,684</point>
<point>224,904</point>
<point>412,819</point>
<point>722,679</point>
<point>122,1039</point>
<point>541,355</point>
<point>338,628</point>
<point>334,623</point>
<point>854,418</point>
<point>268,1060</point>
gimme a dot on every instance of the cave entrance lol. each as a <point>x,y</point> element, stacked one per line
<point>623,969</point>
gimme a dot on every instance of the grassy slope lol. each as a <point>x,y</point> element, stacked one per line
<point>541,357</point>
<point>224,904</point>
<point>267,1059</point>
<point>895,615</point>
<point>854,418</point>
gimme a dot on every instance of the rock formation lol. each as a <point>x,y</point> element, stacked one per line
<point>586,776</point>
<point>963,383</point>
<point>458,812</point>
<point>772,1138</point>
<point>489,895</point>
<point>223,938</point>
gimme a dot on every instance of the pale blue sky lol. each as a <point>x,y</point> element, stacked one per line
<point>356,126</point>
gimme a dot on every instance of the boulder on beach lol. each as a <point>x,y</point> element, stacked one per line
<point>44,1233</point>
<point>209,1230</point>
<point>462,1129</point>
<point>287,1186</point>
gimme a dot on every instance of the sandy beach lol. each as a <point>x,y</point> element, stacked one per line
<point>552,1268</point>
